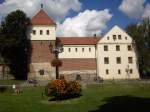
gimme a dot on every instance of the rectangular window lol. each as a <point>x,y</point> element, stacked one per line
<point>119,37</point>
<point>105,47</point>
<point>129,48</point>
<point>130,59</point>
<point>118,60</point>
<point>34,32</point>
<point>41,32</point>
<point>131,71</point>
<point>106,60</point>
<point>47,32</point>
<point>117,48</point>
<point>107,71</point>
<point>107,38</point>
<point>119,71</point>
<point>41,72</point>
<point>82,49</point>
<point>114,37</point>
<point>89,49</point>
<point>69,49</point>
<point>76,49</point>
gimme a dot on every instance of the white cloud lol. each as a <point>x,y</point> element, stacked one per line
<point>85,23</point>
<point>132,8</point>
<point>57,9</point>
<point>146,11</point>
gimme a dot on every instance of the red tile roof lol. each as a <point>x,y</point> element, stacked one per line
<point>78,40</point>
<point>41,18</point>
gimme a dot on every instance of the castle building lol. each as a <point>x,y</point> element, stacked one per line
<point>112,56</point>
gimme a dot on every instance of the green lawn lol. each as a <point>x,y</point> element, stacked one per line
<point>111,97</point>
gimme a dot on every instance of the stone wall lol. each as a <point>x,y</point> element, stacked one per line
<point>84,74</point>
<point>41,71</point>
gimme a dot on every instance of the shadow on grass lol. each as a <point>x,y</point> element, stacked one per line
<point>124,104</point>
<point>65,98</point>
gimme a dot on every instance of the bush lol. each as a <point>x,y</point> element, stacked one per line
<point>3,89</point>
<point>61,89</point>
<point>73,89</point>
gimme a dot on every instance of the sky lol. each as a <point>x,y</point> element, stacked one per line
<point>83,17</point>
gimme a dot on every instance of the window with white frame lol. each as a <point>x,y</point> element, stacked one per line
<point>82,49</point>
<point>69,49</point>
<point>106,60</point>
<point>119,71</point>
<point>118,60</point>
<point>105,47</point>
<point>130,60</point>
<point>129,48</point>
<point>47,32</point>
<point>41,32</point>
<point>117,47</point>
<point>34,32</point>
<point>107,71</point>
<point>119,37</point>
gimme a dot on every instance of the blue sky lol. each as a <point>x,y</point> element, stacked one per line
<point>118,18</point>
<point>118,12</point>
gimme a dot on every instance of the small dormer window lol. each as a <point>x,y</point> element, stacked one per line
<point>126,38</point>
<point>41,32</point>
<point>119,37</point>
<point>114,37</point>
<point>34,32</point>
<point>108,38</point>
<point>47,32</point>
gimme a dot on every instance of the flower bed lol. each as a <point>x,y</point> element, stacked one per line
<point>61,89</point>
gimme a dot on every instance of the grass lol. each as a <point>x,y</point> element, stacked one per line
<point>109,97</point>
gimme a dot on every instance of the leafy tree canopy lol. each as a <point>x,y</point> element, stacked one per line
<point>14,42</point>
<point>141,34</point>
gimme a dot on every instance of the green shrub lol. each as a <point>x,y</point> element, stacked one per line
<point>3,89</point>
<point>61,89</point>
<point>73,89</point>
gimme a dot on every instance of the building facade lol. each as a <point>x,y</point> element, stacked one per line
<point>112,56</point>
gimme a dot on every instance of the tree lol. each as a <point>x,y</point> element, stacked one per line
<point>141,35</point>
<point>14,43</point>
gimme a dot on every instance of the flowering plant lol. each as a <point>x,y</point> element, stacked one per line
<point>61,89</point>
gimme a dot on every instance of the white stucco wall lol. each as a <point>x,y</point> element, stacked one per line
<point>79,53</point>
<point>44,36</point>
<point>113,67</point>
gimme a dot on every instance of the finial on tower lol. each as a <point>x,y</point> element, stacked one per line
<point>41,6</point>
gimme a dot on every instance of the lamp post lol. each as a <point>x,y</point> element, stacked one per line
<point>56,49</point>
